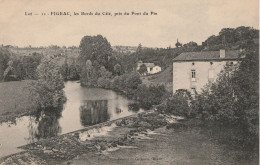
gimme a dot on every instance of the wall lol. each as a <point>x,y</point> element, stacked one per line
<point>182,73</point>
<point>156,69</point>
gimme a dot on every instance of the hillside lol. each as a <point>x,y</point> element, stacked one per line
<point>162,78</point>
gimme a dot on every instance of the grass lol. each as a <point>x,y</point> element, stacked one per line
<point>14,100</point>
<point>163,78</point>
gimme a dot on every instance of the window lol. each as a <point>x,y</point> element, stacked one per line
<point>211,74</point>
<point>193,75</point>
<point>211,63</point>
<point>193,63</point>
<point>193,91</point>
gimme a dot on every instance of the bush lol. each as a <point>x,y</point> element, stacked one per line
<point>149,96</point>
<point>127,83</point>
<point>179,104</point>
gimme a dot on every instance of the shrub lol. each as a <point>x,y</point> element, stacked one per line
<point>149,96</point>
<point>179,104</point>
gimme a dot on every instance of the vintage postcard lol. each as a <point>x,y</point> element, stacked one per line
<point>129,82</point>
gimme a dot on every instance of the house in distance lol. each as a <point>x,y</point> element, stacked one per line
<point>193,70</point>
<point>150,67</point>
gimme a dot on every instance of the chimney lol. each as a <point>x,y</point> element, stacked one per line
<point>222,53</point>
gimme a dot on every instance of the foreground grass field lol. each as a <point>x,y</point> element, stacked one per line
<point>14,100</point>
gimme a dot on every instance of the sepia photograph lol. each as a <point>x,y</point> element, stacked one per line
<point>129,82</point>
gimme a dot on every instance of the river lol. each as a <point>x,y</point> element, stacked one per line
<point>84,107</point>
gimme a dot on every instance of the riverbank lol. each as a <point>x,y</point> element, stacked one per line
<point>145,138</point>
<point>14,100</point>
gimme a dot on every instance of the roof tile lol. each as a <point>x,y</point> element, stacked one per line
<point>207,55</point>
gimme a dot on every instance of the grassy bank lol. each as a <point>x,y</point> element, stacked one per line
<point>14,100</point>
<point>163,78</point>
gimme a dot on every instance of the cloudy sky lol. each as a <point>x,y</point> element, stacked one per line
<point>187,20</point>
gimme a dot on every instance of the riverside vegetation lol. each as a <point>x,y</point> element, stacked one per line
<point>231,102</point>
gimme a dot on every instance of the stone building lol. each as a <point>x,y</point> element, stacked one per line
<point>193,70</point>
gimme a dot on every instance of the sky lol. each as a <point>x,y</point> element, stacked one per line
<point>187,20</point>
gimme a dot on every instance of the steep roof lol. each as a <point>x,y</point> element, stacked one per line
<point>207,55</point>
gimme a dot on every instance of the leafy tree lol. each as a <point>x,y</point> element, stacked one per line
<point>246,88</point>
<point>111,64</point>
<point>234,98</point>
<point>30,64</point>
<point>95,48</point>
<point>191,44</point>
<point>74,71</point>
<point>86,74</point>
<point>217,99</point>
<point>18,69</point>
<point>229,37</point>
<point>4,58</point>
<point>8,69</point>
<point>127,83</point>
<point>118,69</point>
<point>47,90</point>
<point>104,73</point>
<point>142,69</point>
<point>178,104</point>
<point>138,52</point>
<point>65,71</point>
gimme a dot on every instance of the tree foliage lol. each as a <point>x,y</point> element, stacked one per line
<point>149,96</point>
<point>95,48</point>
<point>143,69</point>
<point>234,98</point>
<point>4,58</point>
<point>229,37</point>
<point>47,90</point>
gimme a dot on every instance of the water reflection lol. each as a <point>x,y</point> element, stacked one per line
<point>84,107</point>
<point>47,123</point>
<point>93,112</point>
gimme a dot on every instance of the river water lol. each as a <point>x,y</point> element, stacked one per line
<point>84,107</point>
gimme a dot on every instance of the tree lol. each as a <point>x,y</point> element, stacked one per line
<point>143,69</point>
<point>111,64</point>
<point>117,69</point>
<point>30,64</point>
<point>65,71</point>
<point>8,69</point>
<point>246,88</point>
<point>149,96</point>
<point>86,73</point>
<point>47,91</point>
<point>234,98</point>
<point>95,48</point>
<point>191,44</point>
<point>139,52</point>
<point>74,71</point>
<point>4,58</point>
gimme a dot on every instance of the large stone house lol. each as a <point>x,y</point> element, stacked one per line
<point>193,70</point>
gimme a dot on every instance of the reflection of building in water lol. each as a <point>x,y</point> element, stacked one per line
<point>93,112</point>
